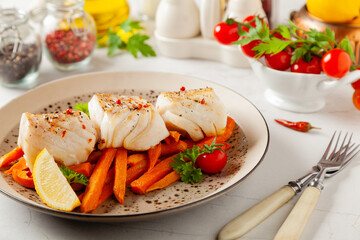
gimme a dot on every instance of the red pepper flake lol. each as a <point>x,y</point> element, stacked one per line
<point>83,126</point>
<point>69,111</point>
<point>29,173</point>
<point>182,88</point>
<point>64,133</point>
<point>90,140</point>
<point>140,106</point>
<point>102,140</point>
<point>202,101</point>
<point>118,101</point>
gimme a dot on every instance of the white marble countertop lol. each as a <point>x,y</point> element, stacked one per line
<point>290,155</point>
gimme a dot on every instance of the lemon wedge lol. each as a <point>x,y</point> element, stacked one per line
<point>51,185</point>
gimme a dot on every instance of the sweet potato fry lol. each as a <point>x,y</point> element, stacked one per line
<point>136,171</point>
<point>154,154</point>
<point>94,157</point>
<point>22,178</point>
<point>120,174</point>
<point>150,177</point>
<point>165,181</point>
<point>230,124</point>
<point>97,180</point>
<point>21,164</point>
<point>135,158</point>
<point>84,168</point>
<point>176,147</point>
<point>174,137</point>
<point>106,192</point>
<point>11,156</point>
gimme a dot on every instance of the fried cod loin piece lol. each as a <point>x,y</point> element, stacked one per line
<point>196,112</point>
<point>68,136</point>
<point>129,122</point>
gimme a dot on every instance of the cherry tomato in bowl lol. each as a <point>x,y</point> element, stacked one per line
<point>279,61</point>
<point>247,49</point>
<point>212,162</point>
<point>225,33</point>
<point>336,63</point>
<point>250,19</point>
<point>356,99</point>
<point>301,66</point>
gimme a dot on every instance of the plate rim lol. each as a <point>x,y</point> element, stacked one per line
<point>135,216</point>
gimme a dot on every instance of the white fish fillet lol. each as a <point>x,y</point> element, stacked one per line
<point>129,122</point>
<point>196,112</point>
<point>69,137</point>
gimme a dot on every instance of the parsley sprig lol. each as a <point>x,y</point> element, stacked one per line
<point>314,43</point>
<point>74,177</point>
<point>83,107</point>
<point>127,36</point>
<point>184,162</point>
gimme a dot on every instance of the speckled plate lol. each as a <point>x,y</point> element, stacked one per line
<point>249,141</point>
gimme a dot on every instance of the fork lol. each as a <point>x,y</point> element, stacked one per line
<point>295,223</point>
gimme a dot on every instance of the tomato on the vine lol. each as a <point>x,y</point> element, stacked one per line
<point>212,162</point>
<point>301,66</point>
<point>247,49</point>
<point>356,98</point>
<point>225,33</point>
<point>279,61</point>
<point>336,63</point>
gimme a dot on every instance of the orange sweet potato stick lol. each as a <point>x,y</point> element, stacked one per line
<point>230,125</point>
<point>174,137</point>
<point>120,174</point>
<point>136,171</point>
<point>165,181</point>
<point>106,192</point>
<point>154,154</point>
<point>11,156</point>
<point>175,147</point>
<point>21,164</point>
<point>94,157</point>
<point>136,158</point>
<point>150,177</point>
<point>84,168</point>
<point>97,180</point>
<point>22,178</point>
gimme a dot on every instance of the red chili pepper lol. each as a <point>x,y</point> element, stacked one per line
<point>298,126</point>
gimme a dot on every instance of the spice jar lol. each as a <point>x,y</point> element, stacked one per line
<point>68,34</point>
<point>20,50</point>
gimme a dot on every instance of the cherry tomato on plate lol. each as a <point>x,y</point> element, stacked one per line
<point>301,66</point>
<point>247,49</point>
<point>356,99</point>
<point>226,34</point>
<point>336,63</point>
<point>212,162</point>
<point>279,61</point>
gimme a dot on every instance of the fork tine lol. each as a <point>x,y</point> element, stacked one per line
<point>328,147</point>
<point>350,156</point>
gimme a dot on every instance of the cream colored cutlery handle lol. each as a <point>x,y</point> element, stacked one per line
<point>256,214</point>
<point>295,223</point>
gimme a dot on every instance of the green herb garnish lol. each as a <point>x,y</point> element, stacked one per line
<point>82,107</point>
<point>74,177</point>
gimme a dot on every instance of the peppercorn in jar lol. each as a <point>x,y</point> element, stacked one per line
<point>20,50</point>
<point>69,34</point>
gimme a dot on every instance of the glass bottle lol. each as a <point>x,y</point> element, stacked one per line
<point>20,50</point>
<point>68,33</point>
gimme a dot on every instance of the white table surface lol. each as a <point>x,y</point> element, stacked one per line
<point>290,155</point>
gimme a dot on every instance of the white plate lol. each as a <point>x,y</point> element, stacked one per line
<point>249,141</point>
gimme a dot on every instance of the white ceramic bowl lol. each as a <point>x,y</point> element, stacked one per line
<point>298,92</point>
